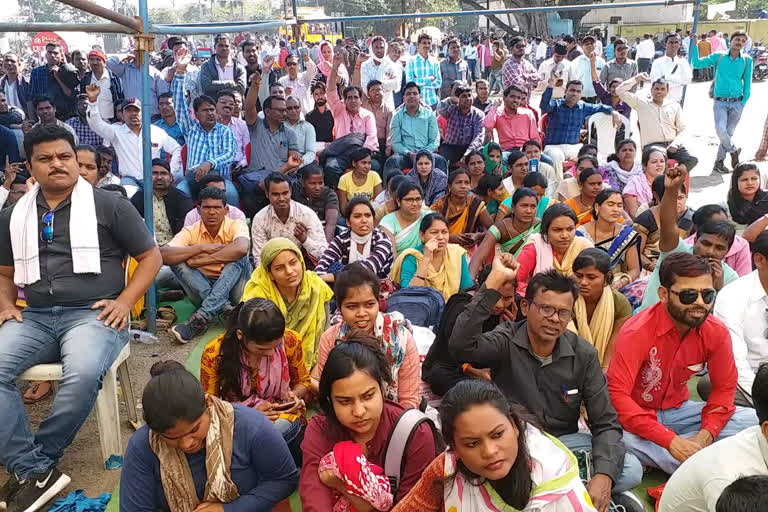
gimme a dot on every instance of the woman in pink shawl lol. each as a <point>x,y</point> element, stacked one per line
<point>325,66</point>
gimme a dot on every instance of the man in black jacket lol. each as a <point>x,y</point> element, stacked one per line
<point>552,372</point>
<point>111,96</point>
<point>171,204</point>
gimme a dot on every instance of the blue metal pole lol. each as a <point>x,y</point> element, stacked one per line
<point>146,146</point>
<point>692,41</point>
<point>215,28</point>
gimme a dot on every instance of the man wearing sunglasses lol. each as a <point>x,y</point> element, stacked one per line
<point>550,370</point>
<point>518,70</point>
<point>78,305</point>
<point>657,352</point>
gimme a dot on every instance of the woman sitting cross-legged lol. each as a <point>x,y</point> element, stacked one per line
<point>259,363</point>
<point>199,453</point>
<point>497,460</point>
<point>344,448</point>
<point>357,296</point>
<point>466,212</point>
<point>435,262</point>
<point>600,310</point>
<point>402,225</point>
<point>590,185</point>
<point>431,179</point>
<point>362,242</point>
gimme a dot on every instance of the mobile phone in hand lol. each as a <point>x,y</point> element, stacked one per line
<point>533,165</point>
<point>284,406</point>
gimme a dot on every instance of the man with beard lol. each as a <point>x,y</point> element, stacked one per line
<point>656,353</point>
<point>79,123</point>
<point>379,67</point>
<point>297,83</point>
<point>320,117</point>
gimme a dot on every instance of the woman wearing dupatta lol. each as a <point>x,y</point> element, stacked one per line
<point>600,311</point>
<point>529,470</point>
<point>432,180</point>
<point>619,241</point>
<point>555,246</point>
<point>474,162</point>
<point>402,225</point>
<point>466,213</point>
<point>590,185</point>
<point>511,232</point>
<point>621,165</point>
<point>436,263</point>
<point>492,155</point>
<point>517,170</point>
<point>325,67</point>
<point>301,295</point>
<point>537,182</point>
<point>259,363</point>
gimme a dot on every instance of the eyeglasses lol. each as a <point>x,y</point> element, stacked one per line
<point>689,296</point>
<point>410,200</point>
<point>292,108</point>
<point>46,235</point>
<point>519,46</point>
<point>563,314</point>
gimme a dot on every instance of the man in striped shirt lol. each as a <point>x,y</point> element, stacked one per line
<point>424,71</point>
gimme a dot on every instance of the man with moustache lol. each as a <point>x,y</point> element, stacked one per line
<point>658,350</point>
<point>320,117</point>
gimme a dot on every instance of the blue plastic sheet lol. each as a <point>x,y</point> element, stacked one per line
<point>77,501</point>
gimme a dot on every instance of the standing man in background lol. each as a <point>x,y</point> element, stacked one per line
<point>424,71</point>
<point>672,68</point>
<point>645,53</point>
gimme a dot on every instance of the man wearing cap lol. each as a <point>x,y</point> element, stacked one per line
<point>126,138</point>
<point>620,67</point>
<point>111,96</point>
<point>557,67</point>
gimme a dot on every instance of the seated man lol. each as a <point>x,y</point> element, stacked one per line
<point>305,132</point>
<point>464,131</point>
<point>414,127</point>
<point>9,149</point>
<point>167,119</point>
<point>713,241</point>
<point>78,306</point>
<point>745,494</point>
<point>215,181</point>
<point>565,117</point>
<point>321,199</point>
<point>210,259</point>
<point>288,219</point>
<point>14,186</point>
<point>655,354</point>
<point>739,256</point>
<point>551,371</point>
<point>45,110</point>
<point>320,117</point>
<point>225,106</point>
<point>514,124</point>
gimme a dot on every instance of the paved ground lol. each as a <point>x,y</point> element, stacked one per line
<point>83,460</point>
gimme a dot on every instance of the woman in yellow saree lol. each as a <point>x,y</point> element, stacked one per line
<point>466,213</point>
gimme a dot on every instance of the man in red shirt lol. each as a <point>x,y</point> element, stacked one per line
<point>657,351</point>
<point>514,123</point>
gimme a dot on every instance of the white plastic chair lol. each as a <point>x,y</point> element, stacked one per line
<point>612,143</point>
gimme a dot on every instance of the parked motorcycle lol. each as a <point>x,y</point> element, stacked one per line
<point>759,62</point>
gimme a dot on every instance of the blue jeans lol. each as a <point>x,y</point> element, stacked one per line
<point>398,161</point>
<point>85,347</point>
<point>130,180</point>
<point>288,429</point>
<point>685,422</point>
<point>189,186</point>
<point>211,294</point>
<point>494,79</point>
<point>727,116</point>
<point>631,473</point>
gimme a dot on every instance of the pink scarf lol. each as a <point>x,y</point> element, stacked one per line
<point>325,67</point>
<point>361,477</point>
<point>272,380</point>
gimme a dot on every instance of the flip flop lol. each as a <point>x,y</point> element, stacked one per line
<point>34,387</point>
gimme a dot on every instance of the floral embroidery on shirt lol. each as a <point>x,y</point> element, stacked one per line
<point>651,375</point>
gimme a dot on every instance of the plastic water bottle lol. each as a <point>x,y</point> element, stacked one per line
<point>144,337</point>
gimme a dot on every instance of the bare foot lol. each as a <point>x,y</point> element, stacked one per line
<point>38,391</point>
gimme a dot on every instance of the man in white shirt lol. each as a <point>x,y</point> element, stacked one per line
<point>698,483</point>
<point>126,138</point>
<point>111,95</point>
<point>557,67</point>
<point>380,67</point>
<point>646,50</point>
<point>541,51</point>
<point>221,71</point>
<point>469,52</point>
<point>297,83</point>
<point>672,68</point>
<point>581,69</point>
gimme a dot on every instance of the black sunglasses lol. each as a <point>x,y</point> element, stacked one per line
<point>689,296</point>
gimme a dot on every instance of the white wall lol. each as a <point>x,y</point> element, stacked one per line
<point>671,14</point>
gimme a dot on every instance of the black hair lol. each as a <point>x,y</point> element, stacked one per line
<point>212,193</point>
<point>455,174</point>
<point>531,143</point>
<point>722,228</point>
<point>555,211</point>
<point>513,157</point>
<point>745,494</point>
<point>171,395</point>
<point>311,169</point>
<point>587,173</point>
<point>106,150</point>
<point>472,153</point>
<point>523,192</point>
<point>355,201</point>
<point>602,197</point>
<point>405,188</point>
<point>46,133</point>
<point>587,149</point>
<point>614,157</point>
<point>359,352</point>
<point>225,92</point>
<point>259,321</point>
<point>574,82</point>
<point>410,85</point>
<point>760,392</point>
<point>736,202</point>
<point>353,276</point>
<point>551,281</point>
<point>218,37</point>
<point>393,183</point>
<point>114,187</point>
<point>430,219</point>
<point>275,177</point>
<point>706,212</point>
<point>760,245</point>
<point>348,89</point>
<point>487,183</point>
<point>681,264</point>
<point>316,86</point>
<point>42,99</point>
<point>96,155</point>
<point>359,154</point>
<point>165,95</point>
<point>268,102</point>
<point>161,162</point>
<point>203,100</point>
<point>649,150</point>
<point>515,488</point>
<point>533,179</point>
<point>460,88</point>
<point>594,257</point>
<point>372,83</point>
<point>208,179</point>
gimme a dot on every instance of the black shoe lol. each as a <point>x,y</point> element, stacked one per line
<point>735,158</point>
<point>37,490</point>
<point>9,490</point>
<point>195,326</point>
<point>626,502</point>
<point>720,167</point>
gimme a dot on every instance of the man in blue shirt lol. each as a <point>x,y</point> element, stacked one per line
<point>565,117</point>
<point>731,87</point>
<point>167,119</point>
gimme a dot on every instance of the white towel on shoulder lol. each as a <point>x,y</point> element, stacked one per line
<point>83,235</point>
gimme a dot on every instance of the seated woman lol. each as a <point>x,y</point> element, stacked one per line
<point>590,184</point>
<point>436,262</point>
<point>492,155</point>
<point>259,363</point>
<point>345,446</point>
<point>475,162</point>
<point>169,466</point>
<point>621,165</point>
<point>360,181</point>
<point>637,192</point>
<point>532,149</point>
<point>620,242</point>
<point>517,169</point>
<point>570,187</point>
<point>511,232</point>
<point>402,225</point>
<point>361,242</point>
<point>554,246</point>
<point>647,224</point>
<point>525,470</point>
<point>357,296</point>
<point>746,200</point>
<point>387,198</point>
<point>739,256</point>
<point>491,192</point>
<point>440,370</point>
<point>466,212</point>
<point>600,310</point>
<point>432,180</point>
<point>301,295</point>
<point>537,182</point>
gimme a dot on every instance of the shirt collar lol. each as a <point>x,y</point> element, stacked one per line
<point>756,290</point>
<point>562,347</point>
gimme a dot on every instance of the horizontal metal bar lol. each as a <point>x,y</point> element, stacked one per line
<point>103,12</point>
<point>65,27</point>
<point>218,28</point>
<point>483,12</point>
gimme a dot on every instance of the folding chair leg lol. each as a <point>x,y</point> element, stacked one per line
<point>108,417</point>
<point>130,399</point>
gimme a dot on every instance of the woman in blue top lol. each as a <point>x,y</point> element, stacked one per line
<point>198,452</point>
<point>435,263</point>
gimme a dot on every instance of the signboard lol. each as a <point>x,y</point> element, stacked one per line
<point>40,39</point>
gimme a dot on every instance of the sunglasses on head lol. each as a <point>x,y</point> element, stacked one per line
<point>46,235</point>
<point>689,296</point>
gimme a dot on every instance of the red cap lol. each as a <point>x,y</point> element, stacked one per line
<point>97,53</point>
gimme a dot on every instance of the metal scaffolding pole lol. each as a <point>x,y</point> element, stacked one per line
<point>692,42</point>
<point>113,28</point>
<point>217,28</point>
<point>107,14</point>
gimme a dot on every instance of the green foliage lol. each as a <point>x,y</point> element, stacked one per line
<point>223,10</point>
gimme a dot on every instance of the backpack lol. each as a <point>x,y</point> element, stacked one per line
<point>421,305</point>
<point>397,442</point>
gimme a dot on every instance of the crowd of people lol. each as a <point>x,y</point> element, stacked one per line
<point>434,298</point>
